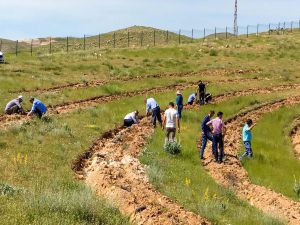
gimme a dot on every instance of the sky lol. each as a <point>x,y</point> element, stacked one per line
<point>21,19</point>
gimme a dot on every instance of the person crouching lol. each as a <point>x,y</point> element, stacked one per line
<point>131,118</point>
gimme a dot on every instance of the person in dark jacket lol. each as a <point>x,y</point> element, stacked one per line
<point>179,103</point>
<point>206,132</point>
<point>201,90</point>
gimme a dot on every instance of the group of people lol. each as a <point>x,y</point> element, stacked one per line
<point>212,129</point>
<point>15,107</point>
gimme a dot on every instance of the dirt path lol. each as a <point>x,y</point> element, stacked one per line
<point>6,120</point>
<point>95,83</point>
<point>115,173</point>
<point>295,134</point>
<point>232,174</point>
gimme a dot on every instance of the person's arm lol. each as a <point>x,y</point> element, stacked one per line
<point>209,123</point>
<point>148,107</point>
<point>252,126</point>
<point>163,121</point>
<point>32,110</point>
<point>135,119</point>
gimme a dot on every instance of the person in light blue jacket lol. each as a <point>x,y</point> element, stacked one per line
<point>38,108</point>
<point>247,138</point>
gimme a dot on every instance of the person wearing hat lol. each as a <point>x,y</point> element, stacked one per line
<point>38,108</point>
<point>179,103</point>
<point>14,106</point>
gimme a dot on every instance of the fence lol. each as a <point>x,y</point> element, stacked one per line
<point>140,37</point>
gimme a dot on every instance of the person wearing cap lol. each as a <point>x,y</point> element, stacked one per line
<point>151,105</point>
<point>192,98</point>
<point>14,106</point>
<point>202,91</point>
<point>179,103</point>
<point>38,108</point>
<point>131,118</point>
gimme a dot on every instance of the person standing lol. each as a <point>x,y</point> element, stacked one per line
<point>15,106</point>
<point>201,90</point>
<point>38,108</point>
<point>219,132</point>
<point>179,103</point>
<point>247,138</point>
<point>206,132</point>
<point>171,121</point>
<point>192,98</point>
<point>151,105</point>
<point>131,118</point>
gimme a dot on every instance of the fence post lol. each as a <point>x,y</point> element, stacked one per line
<point>17,42</point>
<point>50,45</point>
<point>292,26</point>
<point>226,33</point>
<point>204,36</point>
<point>179,37</point>
<point>168,35</point>
<point>1,45</point>
<point>237,31</point>
<point>192,35</point>
<point>99,40</point>
<point>257,28</point>
<point>114,40</point>
<point>269,29</point>
<point>247,31</point>
<point>67,44</point>
<point>31,50</point>
<point>84,42</point>
<point>154,38</point>
<point>278,28</point>
<point>128,40</point>
<point>284,27</point>
<point>215,32</point>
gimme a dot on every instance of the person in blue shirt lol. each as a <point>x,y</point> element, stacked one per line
<point>247,138</point>
<point>179,103</point>
<point>151,105</point>
<point>38,108</point>
<point>192,98</point>
<point>206,132</point>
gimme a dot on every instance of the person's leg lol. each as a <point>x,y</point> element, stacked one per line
<point>249,150</point>
<point>154,117</point>
<point>13,110</point>
<point>167,138</point>
<point>246,150</point>
<point>173,134</point>
<point>203,146</point>
<point>128,123</point>
<point>215,146</point>
<point>221,147</point>
<point>38,113</point>
<point>158,116</point>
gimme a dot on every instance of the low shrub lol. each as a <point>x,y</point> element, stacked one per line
<point>173,147</point>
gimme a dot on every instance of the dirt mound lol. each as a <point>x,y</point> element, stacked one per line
<point>232,174</point>
<point>116,174</point>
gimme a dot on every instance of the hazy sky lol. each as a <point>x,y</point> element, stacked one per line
<point>37,18</point>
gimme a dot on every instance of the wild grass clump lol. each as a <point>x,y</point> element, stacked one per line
<point>297,187</point>
<point>213,52</point>
<point>7,190</point>
<point>173,147</point>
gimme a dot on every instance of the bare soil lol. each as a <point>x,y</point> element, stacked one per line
<point>232,174</point>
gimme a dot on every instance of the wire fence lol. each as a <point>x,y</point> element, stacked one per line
<point>135,37</point>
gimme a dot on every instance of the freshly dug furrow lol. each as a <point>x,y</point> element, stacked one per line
<point>111,169</point>
<point>95,83</point>
<point>295,134</point>
<point>6,120</point>
<point>232,174</point>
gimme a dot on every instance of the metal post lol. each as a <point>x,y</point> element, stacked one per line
<point>179,37</point>
<point>84,42</point>
<point>269,29</point>
<point>154,38</point>
<point>67,44</point>
<point>278,28</point>
<point>215,33</point>
<point>237,31</point>
<point>247,31</point>
<point>292,26</point>
<point>168,36</point>
<point>192,35</point>
<point>204,36</point>
<point>99,41</point>
<point>284,27</point>
<point>226,32</point>
<point>1,45</point>
<point>114,40</point>
<point>17,42</point>
<point>128,40</point>
<point>50,46</point>
<point>257,28</point>
<point>31,50</point>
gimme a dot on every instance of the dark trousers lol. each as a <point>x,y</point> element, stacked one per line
<point>205,137</point>
<point>128,122</point>
<point>38,113</point>
<point>179,109</point>
<point>218,147</point>
<point>201,98</point>
<point>191,103</point>
<point>156,116</point>
<point>13,110</point>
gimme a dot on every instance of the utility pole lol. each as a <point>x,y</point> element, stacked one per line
<point>235,25</point>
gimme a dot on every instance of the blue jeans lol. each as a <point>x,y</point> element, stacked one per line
<point>248,150</point>
<point>156,116</point>
<point>179,109</point>
<point>205,137</point>
<point>218,147</point>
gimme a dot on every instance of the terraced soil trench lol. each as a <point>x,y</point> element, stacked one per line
<point>295,134</point>
<point>7,120</point>
<point>95,83</point>
<point>232,174</point>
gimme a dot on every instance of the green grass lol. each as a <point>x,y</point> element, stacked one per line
<point>273,152</point>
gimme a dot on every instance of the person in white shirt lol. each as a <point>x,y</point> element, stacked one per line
<point>131,118</point>
<point>171,121</point>
<point>14,106</point>
<point>151,105</point>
